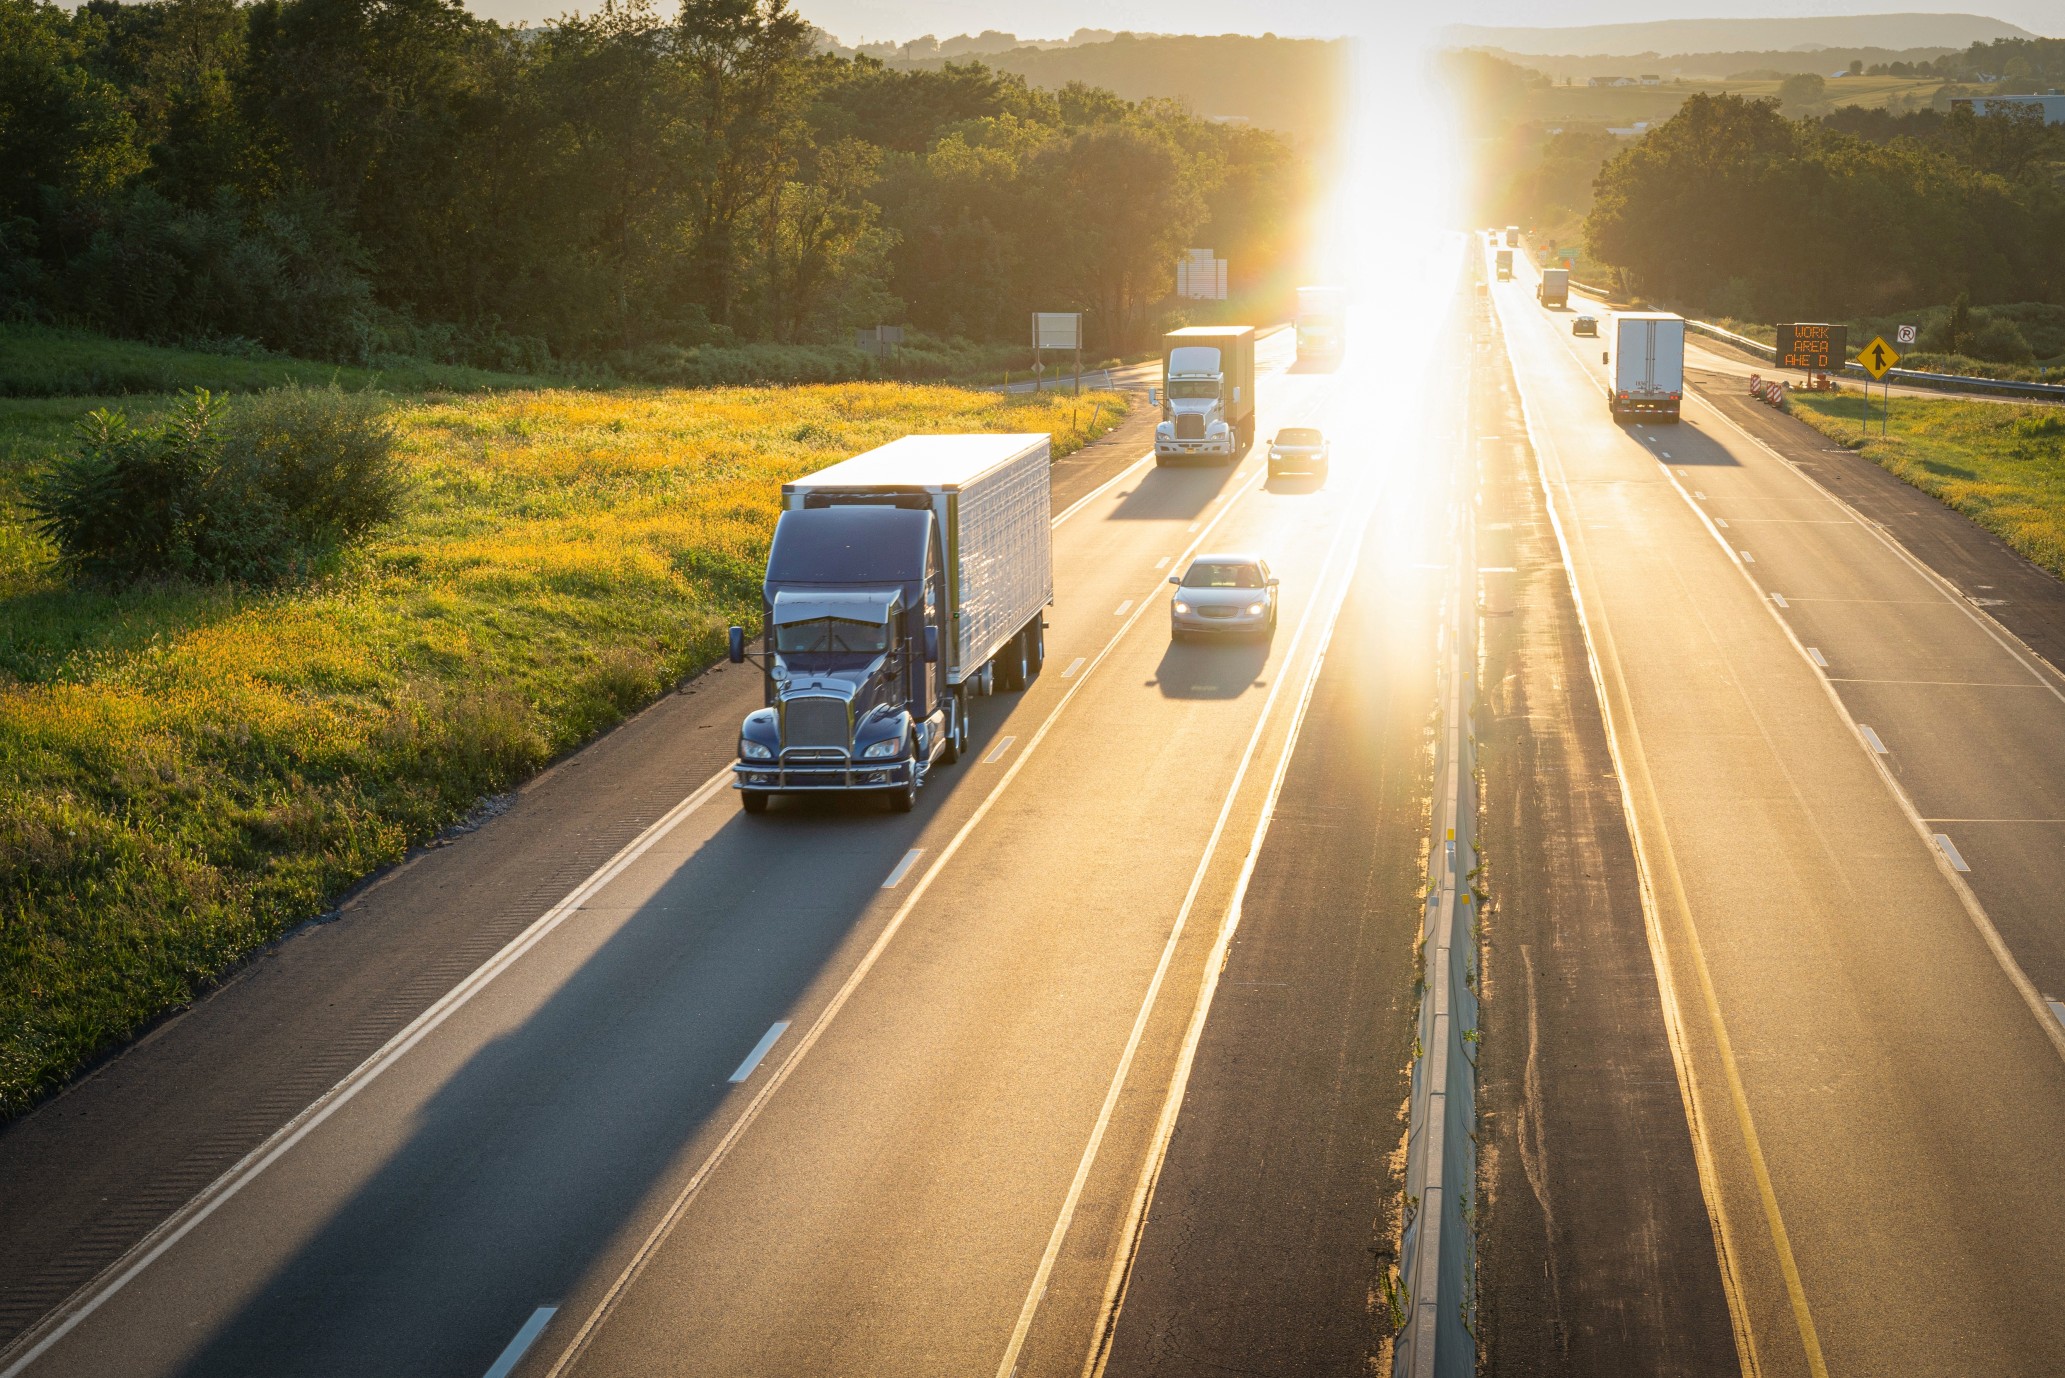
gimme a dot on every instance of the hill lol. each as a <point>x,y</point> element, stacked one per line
<point>1792,33</point>
<point>1714,65</point>
<point>1294,86</point>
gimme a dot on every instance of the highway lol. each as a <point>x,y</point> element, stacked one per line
<point>824,1091</point>
<point>1847,784</point>
<point>1094,1064</point>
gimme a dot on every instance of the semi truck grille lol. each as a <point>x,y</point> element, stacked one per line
<point>817,722</point>
<point>1190,426</point>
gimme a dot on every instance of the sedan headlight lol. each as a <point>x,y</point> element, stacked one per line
<point>1254,609</point>
<point>883,750</point>
<point>753,751</point>
<point>1182,606</point>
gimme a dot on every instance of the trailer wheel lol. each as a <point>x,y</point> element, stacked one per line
<point>1010,663</point>
<point>753,800</point>
<point>1036,645</point>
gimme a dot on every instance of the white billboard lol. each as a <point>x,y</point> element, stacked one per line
<point>1057,329</point>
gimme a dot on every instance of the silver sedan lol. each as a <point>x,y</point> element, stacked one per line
<point>1223,595</point>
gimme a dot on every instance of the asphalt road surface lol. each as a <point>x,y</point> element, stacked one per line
<point>1848,790</point>
<point>825,1091</point>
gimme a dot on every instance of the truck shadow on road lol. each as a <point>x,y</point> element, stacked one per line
<point>1211,670</point>
<point>549,1143</point>
<point>1175,493</point>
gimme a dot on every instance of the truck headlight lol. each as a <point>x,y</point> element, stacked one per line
<point>1182,606</point>
<point>883,750</point>
<point>753,751</point>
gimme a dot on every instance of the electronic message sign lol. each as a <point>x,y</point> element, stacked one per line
<point>1815,348</point>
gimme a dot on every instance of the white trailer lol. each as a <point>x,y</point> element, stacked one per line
<point>1648,359</point>
<point>991,498</point>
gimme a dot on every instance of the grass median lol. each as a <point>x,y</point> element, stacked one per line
<point>186,771</point>
<point>2001,465</point>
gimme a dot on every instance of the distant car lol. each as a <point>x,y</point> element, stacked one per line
<point>1585,325</point>
<point>1223,595</point>
<point>1298,448</point>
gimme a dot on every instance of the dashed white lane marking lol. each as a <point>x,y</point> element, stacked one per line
<point>1872,738</point>
<point>1683,474</point>
<point>1162,563</point>
<point>1193,528</point>
<point>767,1041</point>
<point>1003,745</point>
<point>1697,494</point>
<point>1951,853</point>
<point>2057,1008</point>
<point>1122,609</point>
<point>903,867</point>
<point>1747,558</point>
<point>1779,599</point>
<point>1073,666</point>
<point>1665,453</point>
<point>1721,522</point>
<point>520,1345</point>
<point>1814,654</point>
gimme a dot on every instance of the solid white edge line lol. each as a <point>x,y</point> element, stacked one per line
<point>997,753</point>
<point>58,1323</point>
<point>801,1048</point>
<point>1101,489</point>
<point>896,876</point>
<point>512,1353</point>
<point>2003,956</point>
<point>761,1049</point>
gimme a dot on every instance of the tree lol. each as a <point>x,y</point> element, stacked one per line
<point>1117,207</point>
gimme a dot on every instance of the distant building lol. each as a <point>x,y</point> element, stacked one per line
<point>1611,81</point>
<point>2052,106</point>
<point>1648,79</point>
<point>1635,130</point>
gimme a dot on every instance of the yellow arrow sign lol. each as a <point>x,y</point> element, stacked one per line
<point>1878,358</point>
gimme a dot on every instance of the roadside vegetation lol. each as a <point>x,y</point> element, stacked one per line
<point>189,765</point>
<point>644,192</point>
<point>2003,466</point>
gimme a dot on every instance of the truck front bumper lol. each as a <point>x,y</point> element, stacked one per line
<point>778,777</point>
<point>1169,449</point>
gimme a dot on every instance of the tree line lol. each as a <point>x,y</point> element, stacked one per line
<point>1733,208</point>
<point>347,178</point>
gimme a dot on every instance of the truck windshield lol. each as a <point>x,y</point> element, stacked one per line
<point>831,634</point>
<point>1193,387</point>
<point>1215,575</point>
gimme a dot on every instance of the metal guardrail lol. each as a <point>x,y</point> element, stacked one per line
<point>1437,1265</point>
<point>1947,382</point>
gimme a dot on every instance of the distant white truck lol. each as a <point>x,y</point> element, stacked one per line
<point>1554,290</point>
<point>1648,361</point>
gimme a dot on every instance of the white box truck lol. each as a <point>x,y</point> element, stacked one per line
<point>1648,362</point>
<point>1554,289</point>
<point>900,583</point>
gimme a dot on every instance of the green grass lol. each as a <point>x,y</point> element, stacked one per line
<point>2003,466</point>
<point>43,361</point>
<point>187,771</point>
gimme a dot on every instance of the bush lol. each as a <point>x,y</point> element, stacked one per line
<point>252,495</point>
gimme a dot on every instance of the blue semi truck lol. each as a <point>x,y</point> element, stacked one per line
<point>901,584</point>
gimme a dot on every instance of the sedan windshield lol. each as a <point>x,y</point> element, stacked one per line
<point>1194,387</point>
<point>1297,435</point>
<point>1222,576</point>
<point>831,634</point>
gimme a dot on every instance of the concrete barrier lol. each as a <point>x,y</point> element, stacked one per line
<point>1437,1264</point>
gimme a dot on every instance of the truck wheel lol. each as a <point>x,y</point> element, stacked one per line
<point>1011,675</point>
<point>956,728</point>
<point>753,801</point>
<point>905,799</point>
<point>1036,645</point>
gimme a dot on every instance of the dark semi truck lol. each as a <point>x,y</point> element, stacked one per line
<point>901,584</point>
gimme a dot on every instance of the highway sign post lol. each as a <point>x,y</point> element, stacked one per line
<point>1057,330</point>
<point>1905,334</point>
<point>1877,359</point>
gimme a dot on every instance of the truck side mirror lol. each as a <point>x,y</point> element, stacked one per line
<point>1154,397</point>
<point>738,646</point>
<point>932,645</point>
